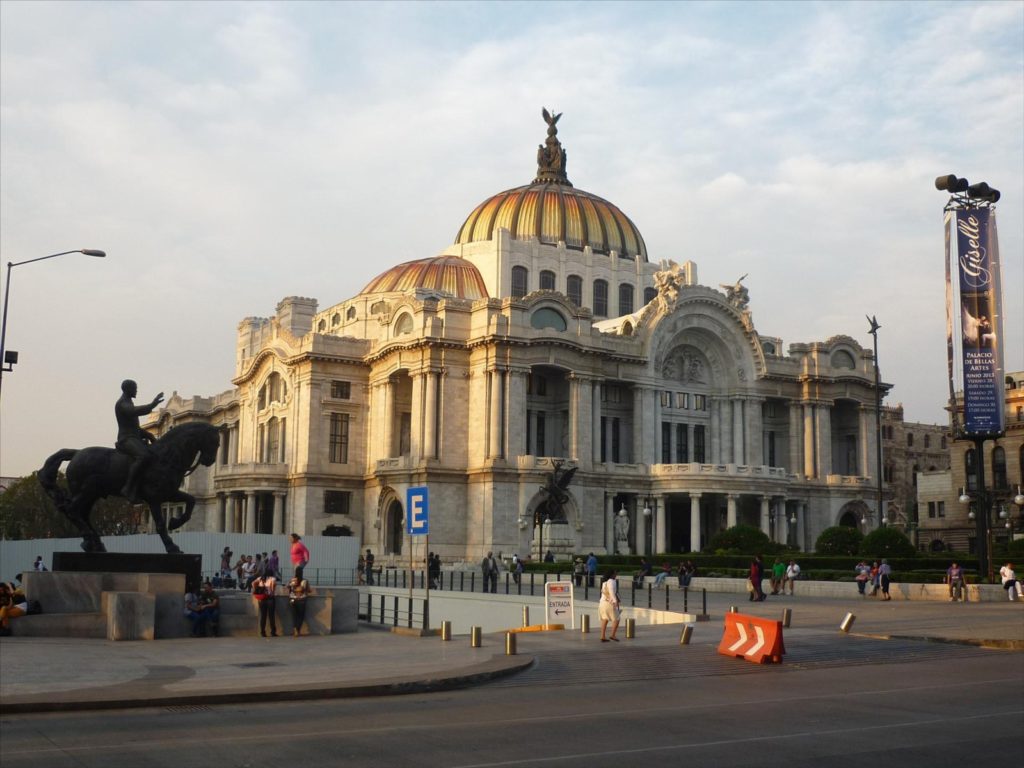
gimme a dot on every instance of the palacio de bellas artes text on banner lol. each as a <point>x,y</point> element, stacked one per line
<point>974,328</point>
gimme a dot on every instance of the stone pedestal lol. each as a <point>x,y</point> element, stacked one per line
<point>133,562</point>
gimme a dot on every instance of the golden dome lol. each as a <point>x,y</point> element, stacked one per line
<point>449,274</point>
<point>552,211</point>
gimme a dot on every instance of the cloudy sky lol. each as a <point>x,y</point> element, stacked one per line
<point>226,155</point>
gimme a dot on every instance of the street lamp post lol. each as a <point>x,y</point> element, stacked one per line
<point>9,358</point>
<point>873,330</point>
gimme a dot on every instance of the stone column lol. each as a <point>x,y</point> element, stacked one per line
<point>868,436</point>
<point>278,512</point>
<point>660,527</point>
<point>755,432</point>
<point>713,439</point>
<point>430,417</point>
<point>388,433</point>
<point>801,526</point>
<point>823,439</point>
<point>495,416</point>
<point>574,416</point>
<point>222,513</point>
<point>766,523</point>
<point>416,407</point>
<point>730,510</point>
<point>725,432</point>
<point>695,542</point>
<point>638,425</point>
<point>795,440</point>
<point>596,436</point>
<point>809,463</point>
<point>250,512</point>
<point>517,407</point>
<point>738,456</point>
<point>655,445</point>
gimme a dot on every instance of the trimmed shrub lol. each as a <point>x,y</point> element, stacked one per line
<point>887,542</point>
<point>839,540</point>
<point>740,538</point>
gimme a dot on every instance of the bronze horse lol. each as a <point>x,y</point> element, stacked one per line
<point>93,473</point>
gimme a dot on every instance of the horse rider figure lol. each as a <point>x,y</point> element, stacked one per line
<point>131,437</point>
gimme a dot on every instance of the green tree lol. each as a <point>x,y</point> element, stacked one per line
<point>887,542</point>
<point>741,538</point>
<point>839,540</point>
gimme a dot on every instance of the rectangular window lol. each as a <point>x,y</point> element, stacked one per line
<point>931,509</point>
<point>771,448</point>
<point>341,390</point>
<point>574,289</point>
<point>666,442</point>
<point>338,447</point>
<point>601,437</point>
<point>682,446</point>
<point>541,434</point>
<point>405,434</point>
<point>666,399</point>
<point>698,444</point>
<point>600,298</point>
<point>283,432</point>
<point>940,508</point>
<point>615,441</point>
<point>770,411</point>
<point>683,400</point>
<point>700,403</point>
<point>337,502</point>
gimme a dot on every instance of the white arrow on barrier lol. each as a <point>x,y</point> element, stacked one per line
<point>743,637</point>
<point>759,644</point>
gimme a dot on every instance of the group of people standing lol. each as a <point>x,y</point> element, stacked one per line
<point>878,576</point>
<point>782,575</point>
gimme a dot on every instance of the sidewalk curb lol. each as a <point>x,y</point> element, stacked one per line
<point>497,667</point>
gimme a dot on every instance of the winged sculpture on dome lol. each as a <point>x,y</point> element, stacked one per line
<point>550,155</point>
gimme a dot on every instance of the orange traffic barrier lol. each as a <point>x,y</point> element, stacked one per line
<point>754,639</point>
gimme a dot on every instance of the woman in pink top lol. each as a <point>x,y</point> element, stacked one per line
<point>300,555</point>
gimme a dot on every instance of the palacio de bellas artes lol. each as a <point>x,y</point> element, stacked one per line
<point>545,343</point>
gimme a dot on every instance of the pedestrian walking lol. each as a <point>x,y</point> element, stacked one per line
<point>609,609</point>
<point>489,566</point>
<point>955,581</point>
<point>885,578</point>
<point>263,589</point>
<point>298,591</point>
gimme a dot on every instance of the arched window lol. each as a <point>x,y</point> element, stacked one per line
<point>547,280</point>
<point>335,319</point>
<point>625,299</point>
<point>322,325</point>
<point>601,298</point>
<point>843,359</point>
<point>546,317</point>
<point>999,468</point>
<point>350,314</point>
<point>650,294</point>
<point>520,276</point>
<point>574,289</point>
<point>403,325</point>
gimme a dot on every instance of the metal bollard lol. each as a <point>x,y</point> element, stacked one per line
<point>474,637</point>
<point>510,643</point>
<point>446,630</point>
<point>630,629</point>
<point>787,614</point>
<point>526,615</point>
<point>733,609</point>
<point>847,622</point>
<point>584,623</point>
<point>684,636</point>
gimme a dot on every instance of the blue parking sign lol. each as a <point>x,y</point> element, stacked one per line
<point>417,517</point>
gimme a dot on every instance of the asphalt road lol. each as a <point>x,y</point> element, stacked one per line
<point>861,702</point>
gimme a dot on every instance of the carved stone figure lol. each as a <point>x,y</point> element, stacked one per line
<point>737,293</point>
<point>668,282</point>
<point>555,487</point>
<point>551,157</point>
<point>622,532</point>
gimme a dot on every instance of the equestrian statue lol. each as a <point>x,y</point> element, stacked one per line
<point>143,469</point>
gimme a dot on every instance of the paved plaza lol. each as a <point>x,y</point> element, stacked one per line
<point>60,674</point>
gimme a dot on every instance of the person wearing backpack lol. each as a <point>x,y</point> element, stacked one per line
<point>263,588</point>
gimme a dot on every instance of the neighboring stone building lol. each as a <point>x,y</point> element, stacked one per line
<point>542,335</point>
<point>944,520</point>
<point>909,448</point>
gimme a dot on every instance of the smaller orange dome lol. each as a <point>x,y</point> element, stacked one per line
<point>450,274</point>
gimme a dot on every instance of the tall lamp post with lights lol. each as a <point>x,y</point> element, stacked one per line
<point>8,358</point>
<point>980,261</point>
<point>873,330</point>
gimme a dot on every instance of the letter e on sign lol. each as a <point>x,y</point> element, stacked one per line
<point>417,513</point>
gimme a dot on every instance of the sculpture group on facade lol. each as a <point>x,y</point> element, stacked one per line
<point>141,468</point>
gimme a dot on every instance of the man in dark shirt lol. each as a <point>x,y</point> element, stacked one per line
<point>131,437</point>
